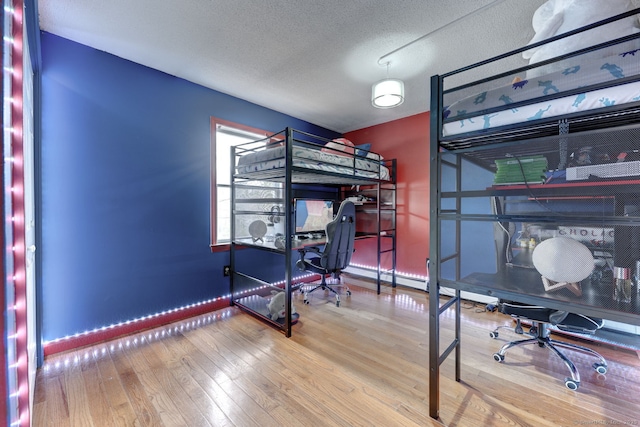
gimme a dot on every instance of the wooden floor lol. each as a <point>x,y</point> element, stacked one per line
<point>361,364</point>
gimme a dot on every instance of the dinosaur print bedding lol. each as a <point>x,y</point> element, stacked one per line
<point>460,116</point>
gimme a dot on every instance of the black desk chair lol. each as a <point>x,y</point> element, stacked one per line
<point>541,318</point>
<point>336,254</point>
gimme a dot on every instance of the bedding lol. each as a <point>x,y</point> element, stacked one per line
<point>609,69</point>
<point>363,149</point>
<point>316,159</point>
<point>339,146</point>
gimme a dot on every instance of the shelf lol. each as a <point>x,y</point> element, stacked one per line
<point>573,184</point>
<point>376,219</point>
<point>518,284</point>
<point>257,305</point>
<point>577,189</point>
<point>467,208</point>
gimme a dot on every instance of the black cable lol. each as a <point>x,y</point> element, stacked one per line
<point>529,189</point>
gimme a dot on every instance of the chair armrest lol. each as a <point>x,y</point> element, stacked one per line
<point>301,264</point>
<point>305,250</point>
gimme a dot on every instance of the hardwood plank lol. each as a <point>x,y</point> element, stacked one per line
<point>363,363</point>
<point>57,407</point>
<point>169,385</point>
<point>276,361</point>
<point>201,402</point>
<point>79,406</point>
<point>99,408</point>
<point>213,380</point>
<point>122,410</point>
<point>136,392</point>
<point>320,392</point>
<point>269,390</point>
<point>40,401</point>
<point>159,393</point>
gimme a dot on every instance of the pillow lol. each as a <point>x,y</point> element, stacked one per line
<point>362,150</point>
<point>275,142</point>
<point>339,146</point>
<point>559,16</point>
<point>375,157</point>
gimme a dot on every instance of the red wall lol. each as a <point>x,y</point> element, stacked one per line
<point>406,140</point>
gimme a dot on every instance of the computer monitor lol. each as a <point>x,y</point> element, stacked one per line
<point>312,215</point>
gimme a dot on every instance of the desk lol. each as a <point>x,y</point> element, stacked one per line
<point>256,298</point>
<point>295,243</point>
<point>305,243</point>
<point>525,285</point>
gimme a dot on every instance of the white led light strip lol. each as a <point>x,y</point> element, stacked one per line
<point>139,319</point>
<point>186,307</point>
<point>412,276</point>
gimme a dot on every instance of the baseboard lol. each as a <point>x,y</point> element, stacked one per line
<point>126,328</point>
<point>470,296</point>
<point>415,283</point>
<point>420,284</point>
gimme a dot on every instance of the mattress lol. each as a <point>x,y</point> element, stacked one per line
<point>315,159</point>
<point>609,69</point>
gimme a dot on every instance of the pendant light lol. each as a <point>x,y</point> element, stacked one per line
<point>387,93</point>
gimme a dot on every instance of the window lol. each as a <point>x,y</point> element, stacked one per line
<point>225,135</point>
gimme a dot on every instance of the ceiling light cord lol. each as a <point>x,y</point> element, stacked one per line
<point>382,60</point>
<point>389,93</point>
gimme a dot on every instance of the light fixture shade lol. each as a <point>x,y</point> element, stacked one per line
<point>387,93</point>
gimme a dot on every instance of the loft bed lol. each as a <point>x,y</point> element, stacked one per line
<point>578,112</point>
<point>596,87</point>
<point>268,175</point>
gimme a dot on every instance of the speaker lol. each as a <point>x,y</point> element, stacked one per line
<point>627,238</point>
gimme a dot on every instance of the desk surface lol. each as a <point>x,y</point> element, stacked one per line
<point>295,243</point>
<point>525,285</point>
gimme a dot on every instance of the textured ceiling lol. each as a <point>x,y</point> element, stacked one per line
<point>312,59</point>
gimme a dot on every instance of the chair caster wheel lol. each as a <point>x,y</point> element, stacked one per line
<point>600,368</point>
<point>337,303</point>
<point>306,301</point>
<point>498,357</point>
<point>519,330</point>
<point>493,334</point>
<point>571,384</point>
<point>348,293</point>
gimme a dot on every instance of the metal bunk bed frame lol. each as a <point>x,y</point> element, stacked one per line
<point>289,177</point>
<point>481,148</point>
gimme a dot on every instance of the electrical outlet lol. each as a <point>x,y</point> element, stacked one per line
<point>226,270</point>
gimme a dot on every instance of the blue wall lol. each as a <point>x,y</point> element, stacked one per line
<point>477,252</point>
<point>125,188</point>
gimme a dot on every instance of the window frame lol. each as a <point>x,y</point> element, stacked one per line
<point>213,216</point>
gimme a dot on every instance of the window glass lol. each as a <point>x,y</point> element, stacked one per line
<point>224,136</point>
